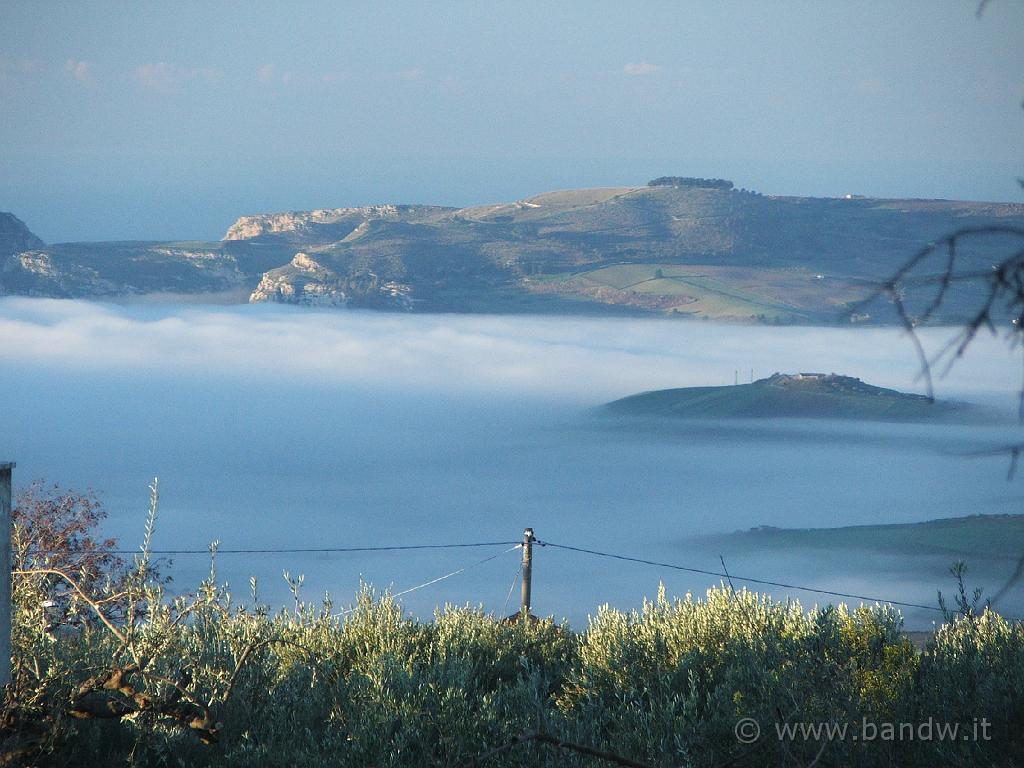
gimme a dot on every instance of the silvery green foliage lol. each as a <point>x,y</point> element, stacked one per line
<point>664,685</point>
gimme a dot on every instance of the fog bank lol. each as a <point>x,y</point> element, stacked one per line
<point>277,427</point>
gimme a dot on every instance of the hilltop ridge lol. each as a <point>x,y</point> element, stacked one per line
<point>681,246</point>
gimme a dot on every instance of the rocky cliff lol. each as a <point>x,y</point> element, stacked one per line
<point>302,281</point>
<point>104,270</point>
<point>324,224</point>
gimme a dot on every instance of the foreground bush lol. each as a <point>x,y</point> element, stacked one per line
<point>127,676</point>
<point>662,686</point>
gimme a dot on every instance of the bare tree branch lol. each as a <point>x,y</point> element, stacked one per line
<point>570,746</point>
<point>1003,298</point>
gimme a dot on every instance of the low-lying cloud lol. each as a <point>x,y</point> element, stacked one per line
<point>576,358</point>
<point>80,71</point>
<point>278,427</point>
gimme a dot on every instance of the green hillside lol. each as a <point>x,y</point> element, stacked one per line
<point>810,396</point>
<point>976,538</point>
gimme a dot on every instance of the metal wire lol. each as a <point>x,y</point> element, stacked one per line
<point>456,572</point>
<point>737,578</point>
<point>294,550</point>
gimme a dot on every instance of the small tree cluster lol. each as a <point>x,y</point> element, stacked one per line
<point>690,181</point>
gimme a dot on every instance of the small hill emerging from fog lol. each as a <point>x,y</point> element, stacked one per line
<point>798,395</point>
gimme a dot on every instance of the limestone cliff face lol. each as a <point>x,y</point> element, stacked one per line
<point>302,281</point>
<point>309,282</point>
<point>324,224</point>
<point>36,273</point>
<point>86,270</point>
<point>15,237</point>
<point>302,222</point>
<point>37,262</point>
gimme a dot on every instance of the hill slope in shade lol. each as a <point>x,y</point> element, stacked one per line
<point>914,558</point>
<point>685,247</point>
<point>975,538</point>
<point>800,395</point>
<point>15,237</point>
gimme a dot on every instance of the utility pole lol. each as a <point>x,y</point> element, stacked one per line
<point>528,540</point>
<point>5,572</point>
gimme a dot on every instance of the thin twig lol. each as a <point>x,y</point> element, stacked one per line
<point>583,749</point>
<point>544,738</point>
<point>78,590</point>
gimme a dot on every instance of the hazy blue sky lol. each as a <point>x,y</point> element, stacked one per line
<point>140,120</point>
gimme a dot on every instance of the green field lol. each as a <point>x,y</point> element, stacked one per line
<point>714,292</point>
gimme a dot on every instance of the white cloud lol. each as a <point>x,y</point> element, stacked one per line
<point>268,74</point>
<point>156,76</point>
<point>162,75</point>
<point>640,68</point>
<point>587,360</point>
<point>80,70</point>
<point>870,86</point>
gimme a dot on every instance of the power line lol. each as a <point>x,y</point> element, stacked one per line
<point>292,550</point>
<point>737,578</point>
<point>515,579</point>
<point>513,545</point>
<point>456,572</point>
<point>463,569</point>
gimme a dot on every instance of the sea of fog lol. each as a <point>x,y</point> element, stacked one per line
<point>272,427</point>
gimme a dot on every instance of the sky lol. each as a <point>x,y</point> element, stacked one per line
<point>167,121</point>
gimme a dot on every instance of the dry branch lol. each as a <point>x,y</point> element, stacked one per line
<point>111,696</point>
<point>544,738</point>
